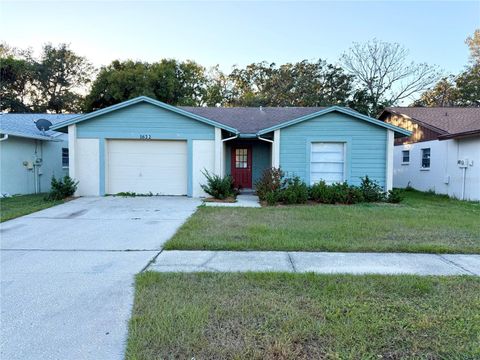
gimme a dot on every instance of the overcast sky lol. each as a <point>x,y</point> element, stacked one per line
<point>229,33</point>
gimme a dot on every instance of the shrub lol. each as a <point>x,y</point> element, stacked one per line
<point>340,193</point>
<point>270,182</point>
<point>371,190</point>
<point>295,191</point>
<point>321,192</point>
<point>62,188</point>
<point>272,197</point>
<point>395,196</point>
<point>218,187</point>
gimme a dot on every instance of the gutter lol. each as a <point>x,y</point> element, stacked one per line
<point>5,137</point>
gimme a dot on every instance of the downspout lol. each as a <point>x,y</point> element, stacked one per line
<point>5,137</point>
<point>464,175</point>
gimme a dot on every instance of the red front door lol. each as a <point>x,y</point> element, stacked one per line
<point>242,166</point>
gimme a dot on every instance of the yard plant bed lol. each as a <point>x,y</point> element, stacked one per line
<point>421,223</point>
<point>19,205</point>
<point>304,316</point>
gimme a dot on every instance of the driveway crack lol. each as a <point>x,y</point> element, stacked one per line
<point>151,261</point>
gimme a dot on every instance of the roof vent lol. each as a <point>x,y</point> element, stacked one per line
<point>43,125</point>
<point>446,114</point>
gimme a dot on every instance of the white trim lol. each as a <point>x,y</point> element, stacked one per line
<point>218,152</point>
<point>276,149</point>
<point>389,160</point>
<point>72,144</point>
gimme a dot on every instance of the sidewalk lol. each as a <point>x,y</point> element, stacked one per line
<point>319,262</point>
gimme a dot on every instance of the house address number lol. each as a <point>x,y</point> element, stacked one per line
<point>145,136</point>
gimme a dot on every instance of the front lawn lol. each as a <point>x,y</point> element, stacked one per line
<point>421,223</point>
<point>19,205</point>
<point>304,316</point>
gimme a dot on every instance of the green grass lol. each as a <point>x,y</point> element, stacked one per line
<point>20,205</point>
<point>304,316</point>
<point>421,223</point>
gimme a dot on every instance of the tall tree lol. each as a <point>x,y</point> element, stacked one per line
<point>460,90</point>
<point>293,84</point>
<point>16,77</point>
<point>383,72</point>
<point>473,43</point>
<point>61,76</point>
<point>170,81</point>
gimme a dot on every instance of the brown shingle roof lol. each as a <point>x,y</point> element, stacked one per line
<point>450,120</point>
<point>249,120</point>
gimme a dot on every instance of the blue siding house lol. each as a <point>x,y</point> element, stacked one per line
<point>145,146</point>
<point>30,157</point>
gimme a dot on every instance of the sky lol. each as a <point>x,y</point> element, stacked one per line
<point>239,33</point>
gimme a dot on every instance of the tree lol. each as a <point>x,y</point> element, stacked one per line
<point>293,84</point>
<point>170,81</point>
<point>473,43</point>
<point>60,77</point>
<point>16,77</point>
<point>52,83</point>
<point>460,90</point>
<point>381,70</point>
<point>444,93</point>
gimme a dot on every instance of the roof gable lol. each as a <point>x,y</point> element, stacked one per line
<point>342,110</point>
<point>444,120</point>
<point>137,101</point>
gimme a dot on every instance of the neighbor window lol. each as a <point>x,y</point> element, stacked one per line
<point>426,158</point>
<point>405,156</point>
<point>65,157</point>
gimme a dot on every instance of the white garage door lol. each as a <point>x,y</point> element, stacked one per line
<point>155,166</point>
<point>327,162</point>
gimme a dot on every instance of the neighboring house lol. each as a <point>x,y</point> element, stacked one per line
<point>443,152</point>
<point>143,145</point>
<point>30,157</point>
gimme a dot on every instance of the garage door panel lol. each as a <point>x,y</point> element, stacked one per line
<point>155,166</point>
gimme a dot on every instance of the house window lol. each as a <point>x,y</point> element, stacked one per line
<point>65,157</point>
<point>405,156</point>
<point>425,158</point>
<point>327,162</point>
<point>241,158</point>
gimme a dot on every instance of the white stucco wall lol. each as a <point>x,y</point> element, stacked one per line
<point>87,167</point>
<point>203,157</point>
<point>444,175</point>
<point>15,178</point>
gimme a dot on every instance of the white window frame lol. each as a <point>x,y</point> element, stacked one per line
<point>403,158</point>
<point>68,158</point>
<point>344,170</point>
<point>425,168</point>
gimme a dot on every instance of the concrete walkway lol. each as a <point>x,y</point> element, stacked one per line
<point>244,200</point>
<point>319,262</point>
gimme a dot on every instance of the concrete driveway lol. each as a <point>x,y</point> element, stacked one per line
<point>67,273</point>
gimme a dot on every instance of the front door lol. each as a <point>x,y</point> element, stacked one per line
<point>242,166</point>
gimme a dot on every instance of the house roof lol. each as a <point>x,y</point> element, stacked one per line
<point>238,120</point>
<point>450,122</point>
<point>23,125</point>
<point>250,120</point>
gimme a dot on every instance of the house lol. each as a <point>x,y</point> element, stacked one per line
<point>29,156</point>
<point>443,152</point>
<point>145,146</point>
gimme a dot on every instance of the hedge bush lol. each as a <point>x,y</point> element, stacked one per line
<point>274,188</point>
